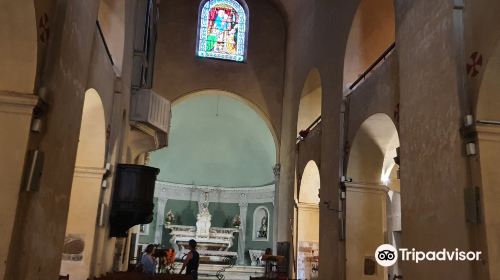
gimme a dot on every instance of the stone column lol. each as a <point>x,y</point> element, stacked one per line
<point>276,171</point>
<point>242,238</point>
<point>160,218</point>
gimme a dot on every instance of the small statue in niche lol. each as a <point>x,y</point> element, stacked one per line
<point>262,233</point>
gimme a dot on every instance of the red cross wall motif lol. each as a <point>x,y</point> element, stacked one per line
<point>43,28</point>
<point>474,64</point>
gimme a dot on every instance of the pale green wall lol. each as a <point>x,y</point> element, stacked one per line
<point>231,148</point>
<point>150,238</point>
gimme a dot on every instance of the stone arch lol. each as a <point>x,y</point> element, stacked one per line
<point>85,189</point>
<point>374,179</point>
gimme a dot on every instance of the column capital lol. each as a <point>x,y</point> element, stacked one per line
<point>276,171</point>
<point>243,200</point>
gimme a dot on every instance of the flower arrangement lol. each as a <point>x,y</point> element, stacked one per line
<point>170,217</point>
<point>236,221</point>
<point>170,261</point>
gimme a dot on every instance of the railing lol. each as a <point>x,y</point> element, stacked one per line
<point>104,42</point>
<point>373,65</point>
<point>303,133</point>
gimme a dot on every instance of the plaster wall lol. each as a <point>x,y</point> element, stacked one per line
<point>217,140</point>
<point>82,215</point>
<point>112,21</point>
<point>308,223</point>
<point>481,36</point>
<point>309,109</point>
<point>15,121</point>
<point>364,231</point>
<point>378,93</point>
<point>372,32</point>
<point>18,30</point>
<point>489,154</point>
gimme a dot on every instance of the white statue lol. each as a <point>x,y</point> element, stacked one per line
<point>204,220</point>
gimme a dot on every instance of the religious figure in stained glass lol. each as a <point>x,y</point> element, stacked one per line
<point>222,30</point>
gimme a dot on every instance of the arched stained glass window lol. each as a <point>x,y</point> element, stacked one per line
<point>222,30</point>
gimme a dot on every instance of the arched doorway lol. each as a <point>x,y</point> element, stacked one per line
<point>85,190</point>
<point>488,130</point>
<point>308,223</point>
<point>373,207</point>
<point>372,32</point>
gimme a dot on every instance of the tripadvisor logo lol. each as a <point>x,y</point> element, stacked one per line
<point>387,255</point>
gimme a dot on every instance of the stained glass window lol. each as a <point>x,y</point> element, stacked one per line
<point>222,30</point>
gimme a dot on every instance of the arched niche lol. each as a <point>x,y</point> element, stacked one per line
<point>261,226</point>
<point>18,30</point>
<point>85,190</point>
<point>372,32</point>
<point>369,206</point>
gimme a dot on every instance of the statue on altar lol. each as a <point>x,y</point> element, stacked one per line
<point>213,242</point>
<point>204,220</point>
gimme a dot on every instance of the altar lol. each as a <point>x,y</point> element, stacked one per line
<point>213,243</point>
<point>182,213</point>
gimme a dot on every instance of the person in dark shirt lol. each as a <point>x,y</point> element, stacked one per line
<point>192,261</point>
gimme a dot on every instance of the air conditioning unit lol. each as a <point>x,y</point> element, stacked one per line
<point>151,109</point>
